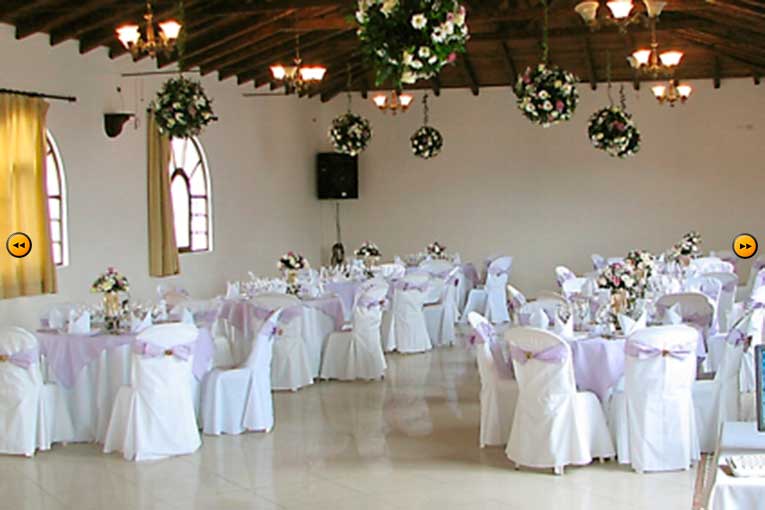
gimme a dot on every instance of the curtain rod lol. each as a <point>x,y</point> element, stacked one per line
<point>38,94</point>
<point>160,73</point>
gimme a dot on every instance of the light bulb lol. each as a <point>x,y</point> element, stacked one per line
<point>620,9</point>
<point>315,73</point>
<point>278,72</point>
<point>171,29</point>
<point>641,57</point>
<point>659,91</point>
<point>684,90</point>
<point>671,58</point>
<point>128,35</point>
<point>405,100</point>
<point>380,101</point>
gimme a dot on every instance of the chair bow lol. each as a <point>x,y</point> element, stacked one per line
<point>555,354</point>
<point>149,350</point>
<point>642,351</point>
<point>22,359</point>
<point>372,303</point>
<point>404,285</point>
<point>737,337</point>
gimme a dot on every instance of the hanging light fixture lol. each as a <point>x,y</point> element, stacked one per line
<point>297,77</point>
<point>150,43</point>
<point>621,13</point>
<point>397,102</point>
<point>650,62</point>
<point>672,92</point>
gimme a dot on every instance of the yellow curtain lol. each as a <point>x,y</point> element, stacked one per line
<point>23,197</point>
<point>163,251</point>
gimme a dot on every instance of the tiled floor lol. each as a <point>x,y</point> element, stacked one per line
<point>410,442</point>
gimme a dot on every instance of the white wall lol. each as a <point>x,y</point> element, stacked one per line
<point>545,196</point>
<point>261,155</point>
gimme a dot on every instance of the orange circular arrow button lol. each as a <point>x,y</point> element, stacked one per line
<point>745,246</point>
<point>18,245</point>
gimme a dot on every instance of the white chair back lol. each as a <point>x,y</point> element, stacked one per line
<point>19,364</point>
<point>436,267</point>
<point>573,286</point>
<point>262,348</point>
<point>492,364</point>
<point>728,285</point>
<point>659,373</point>
<point>703,265</point>
<point>598,262</point>
<point>391,271</point>
<point>498,273</point>
<point>694,308</point>
<point>562,273</point>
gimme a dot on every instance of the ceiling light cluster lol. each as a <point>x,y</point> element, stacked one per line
<point>297,77</point>
<point>153,41</point>
<point>620,13</point>
<point>395,103</point>
<point>672,93</point>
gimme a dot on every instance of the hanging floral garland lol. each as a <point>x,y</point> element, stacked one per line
<point>350,133</point>
<point>546,93</point>
<point>427,142</point>
<point>409,40</point>
<point>182,108</point>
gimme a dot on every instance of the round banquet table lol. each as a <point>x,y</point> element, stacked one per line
<point>91,368</point>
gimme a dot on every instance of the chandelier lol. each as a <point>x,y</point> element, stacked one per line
<point>397,102</point>
<point>297,77</point>
<point>672,92</point>
<point>621,13</point>
<point>651,62</point>
<point>151,43</point>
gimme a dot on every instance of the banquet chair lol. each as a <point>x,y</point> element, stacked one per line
<point>551,304</point>
<point>653,419</point>
<point>598,262</point>
<point>515,301</point>
<point>154,417</point>
<point>695,309</point>
<point>728,283</point>
<point>554,424</point>
<point>573,286</point>
<point>291,363</point>
<point>441,316</point>
<point>358,354</point>
<point>390,271</point>
<point>406,330</point>
<point>703,265</point>
<point>32,414</point>
<point>439,270</point>
<point>562,273</point>
<point>173,296</point>
<point>491,300</point>
<point>499,391</point>
<point>717,401</point>
<point>712,289</point>
<point>239,399</point>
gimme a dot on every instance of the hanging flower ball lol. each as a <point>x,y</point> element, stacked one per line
<point>182,108</point>
<point>427,142</point>
<point>350,134</point>
<point>547,95</point>
<point>409,40</point>
<point>613,130</point>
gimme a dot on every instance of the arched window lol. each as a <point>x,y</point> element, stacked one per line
<point>190,191</point>
<point>56,188</point>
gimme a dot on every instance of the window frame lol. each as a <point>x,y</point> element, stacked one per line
<point>52,152</point>
<point>183,173</point>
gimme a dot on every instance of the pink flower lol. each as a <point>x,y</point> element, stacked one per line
<point>559,105</point>
<point>450,16</point>
<point>451,58</point>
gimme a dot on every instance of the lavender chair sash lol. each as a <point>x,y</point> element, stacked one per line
<point>487,334</point>
<point>370,304</point>
<point>640,350</point>
<point>737,337</point>
<point>148,350</point>
<point>558,353</point>
<point>22,359</point>
<point>404,285</point>
<point>288,314</point>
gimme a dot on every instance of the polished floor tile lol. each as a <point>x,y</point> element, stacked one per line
<point>407,442</point>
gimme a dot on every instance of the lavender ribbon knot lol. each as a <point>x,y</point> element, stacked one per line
<point>642,351</point>
<point>149,350</point>
<point>737,337</point>
<point>405,286</point>
<point>555,354</point>
<point>22,359</point>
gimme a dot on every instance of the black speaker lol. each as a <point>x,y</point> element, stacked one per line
<point>337,176</point>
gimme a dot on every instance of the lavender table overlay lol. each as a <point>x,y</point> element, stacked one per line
<point>598,364</point>
<point>346,291</point>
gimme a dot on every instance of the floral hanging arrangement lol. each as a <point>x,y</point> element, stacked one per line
<point>427,141</point>
<point>182,108</point>
<point>546,93</point>
<point>350,134</point>
<point>612,129</point>
<point>409,40</point>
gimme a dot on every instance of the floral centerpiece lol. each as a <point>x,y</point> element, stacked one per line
<point>409,40</point>
<point>436,250</point>
<point>182,108</point>
<point>110,284</point>
<point>369,252</point>
<point>689,247</point>
<point>290,264</point>
<point>612,130</point>
<point>619,278</point>
<point>643,266</point>
<point>547,95</point>
<point>350,134</point>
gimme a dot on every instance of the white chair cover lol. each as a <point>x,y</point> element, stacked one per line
<point>239,399</point>
<point>154,417</point>
<point>562,273</point>
<point>653,420</point>
<point>598,262</point>
<point>291,364</point>
<point>695,310</point>
<point>711,288</point>
<point>499,391</point>
<point>717,401</point>
<point>32,415</point>
<point>703,265</point>
<point>554,425</point>
<point>173,296</point>
<point>491,300</point>
<point>390,271</point>
<point>406,330</point>
<point>728,284</point>
<point>358,354</point>
<point>441,316</point>
<point>573,286</point>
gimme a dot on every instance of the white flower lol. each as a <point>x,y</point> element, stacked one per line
<point>449,27</point>
<point>415,64</point>
<point>361,17</point>
<point>438,35</point>
<point>543,94</point>
<point>424,52</point>
<point>547,106</point>
<point>407,58</point>
<point>388,7</point>
<point>419,21</point>
<point>433,59</point>
<point>408,77</point>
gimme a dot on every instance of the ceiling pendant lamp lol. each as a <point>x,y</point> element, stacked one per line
<point>153,41</point>
<point>621,13</point>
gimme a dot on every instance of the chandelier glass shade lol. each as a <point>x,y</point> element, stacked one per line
<point>672,93</point>
<point>152,42</point>
<point>394,103</point>
<point>621,13</point>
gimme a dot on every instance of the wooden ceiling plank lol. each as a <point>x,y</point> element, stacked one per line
<point>716,80</point>
<point>510,63</point>
<point>470,71</point>
<point>590,63</point>
<point>45,22</point>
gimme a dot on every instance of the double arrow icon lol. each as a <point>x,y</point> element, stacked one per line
<point>19,245</point>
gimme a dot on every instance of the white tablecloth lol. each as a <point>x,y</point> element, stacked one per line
<point>737,493</point>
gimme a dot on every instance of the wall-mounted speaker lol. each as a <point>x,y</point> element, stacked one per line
<point>337,176</point>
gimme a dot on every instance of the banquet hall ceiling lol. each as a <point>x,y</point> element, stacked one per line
<point>239,39</point>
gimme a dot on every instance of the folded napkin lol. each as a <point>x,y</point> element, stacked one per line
<point>56,319</point>
<point>137,325</point>
<point>81,325</point>
<point>589,288</point>
<point>673,315</point>
<point>187,317</point>
<point>162,310</point>
<point>539,319</point>
<point>630,325</point>
<point>232,290</point>
<point>564,330</point>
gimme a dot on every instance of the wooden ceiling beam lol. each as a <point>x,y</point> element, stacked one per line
<point>436,82</point>
<point>590,63</point>
<point>510,63</point>
<point>744,54</point>
<point>470,71</point>
<point>13,9</point>
<point>33,23</point>
<point>267,38</point>
<point>95,21</point>
<point>329,92</point>
<point>717,68</point>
